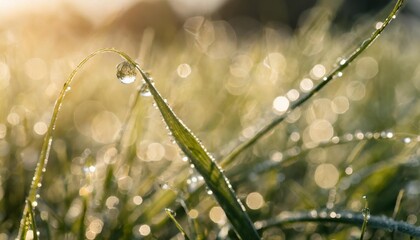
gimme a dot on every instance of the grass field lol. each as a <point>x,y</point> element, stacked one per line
<point>345,159</point>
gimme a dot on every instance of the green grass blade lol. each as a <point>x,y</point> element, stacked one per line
<point>171,215</point>
<point>335,73</point>
<point>205,165</point>
<point>30,221</point>
<point>46,145</point>
<point>366,216</point>
<point>340,217</point>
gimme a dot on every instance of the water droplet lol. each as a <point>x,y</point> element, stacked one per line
<point>335,139</point>
<point>349,170</point>
<point>209,191</point>
<point>144,90</point>
<point>306,85</point>
<point>313,213</point>
<point>378,25</point>
<point>126,72</point>
<point>366,213</point>
<point>338,74</point>
<point>68,89</point>
<point>348,137</point>
<point>34,204</point>
<point>359,135</point>
<point>407,140</point>
<point>293,95</point>
<point>281,104</point>
<point>383,134</point>
<point>170,211</point>
<point>394,16</point>
<point>342,62</point>
<point>164,186</point>
<point>89,169</point>
<point>323,214</point>
<point>39,185</point>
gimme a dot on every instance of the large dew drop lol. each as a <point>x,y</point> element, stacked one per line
<point>126,72</point>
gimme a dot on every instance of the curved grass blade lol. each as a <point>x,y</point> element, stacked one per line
<point>340,217</point>
<point>204,164</point>
<point>189,144</point>
<point>46,145</point>
<point>336,72</point>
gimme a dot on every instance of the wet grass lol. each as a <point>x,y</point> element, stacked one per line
<point>113,183</point>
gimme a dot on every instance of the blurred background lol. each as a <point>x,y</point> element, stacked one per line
<point>227,67</point>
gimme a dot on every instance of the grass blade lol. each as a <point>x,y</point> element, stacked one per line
<point>30,219</point>
<point>205,165</point>
<point>171,215</point>
<point>366,216</point>
<point>336,72</point>
<point>46,145</point>
<point>340,217</point>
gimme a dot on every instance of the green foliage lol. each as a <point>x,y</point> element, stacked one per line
<point>120,189</point>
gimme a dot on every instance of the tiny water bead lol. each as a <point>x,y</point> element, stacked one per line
<point>126,72</point>
<point>144,90</point>
<point>306,85</point>
<point>293,95</point>
<point>170,211</point>
<point>342,62</point>
<point>165,186</point>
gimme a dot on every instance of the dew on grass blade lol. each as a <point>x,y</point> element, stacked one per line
<point>338,75</point>
<point>144,91</point>
<point>306,85</point>
<point>170,211</point>
<point>126,72</point>
<point>293,95</point>
<point>343,61</point>
<point>366,216</point>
